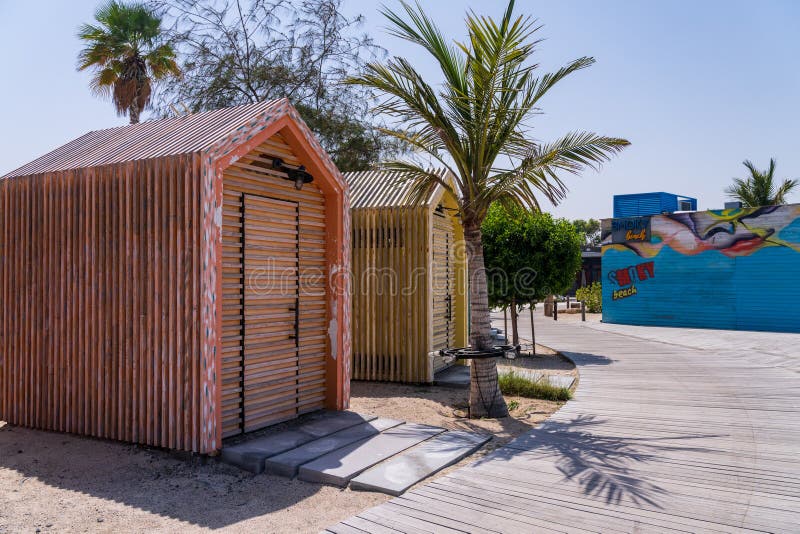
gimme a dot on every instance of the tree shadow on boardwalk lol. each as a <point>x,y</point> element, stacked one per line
<point>584,359</point>
<point>603,466</point>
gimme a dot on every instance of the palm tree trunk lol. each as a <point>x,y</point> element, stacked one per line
<point>133,113</point>
<point>485,399</point>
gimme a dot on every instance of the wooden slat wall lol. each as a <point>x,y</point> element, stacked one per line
<point>253,175</point>
<point>99,311</point>
<point>390,296</point>
<point>232,312</point>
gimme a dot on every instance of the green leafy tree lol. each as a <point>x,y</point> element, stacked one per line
<point>127,52</point>
<point>528,255</point>
<point>249,51</point>
<point>476,123</point>
<point>760,189</point>
<point>589,229</point>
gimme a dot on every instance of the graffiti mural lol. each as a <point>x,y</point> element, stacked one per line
<point>630,229</point>
<point>735,232</point>
<point>625,279</point>
<point>737,268</point>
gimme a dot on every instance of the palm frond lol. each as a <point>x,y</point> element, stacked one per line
<point>783,191</point>
<point>759,189</point>
<point>427,142</point>
<point>479,115</point>
<point>125,53</point>
<point>424,32</point>
<point>411,100</point>
<point>425,180</point>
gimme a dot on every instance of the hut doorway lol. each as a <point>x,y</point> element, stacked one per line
<point>444,281</point>
<point>264,356</point>
<point>274,287</point>
<point>271,299</point>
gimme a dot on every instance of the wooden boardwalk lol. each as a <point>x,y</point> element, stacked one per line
<point>660,437</point>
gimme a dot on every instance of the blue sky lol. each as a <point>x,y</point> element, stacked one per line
<point>697,87</point>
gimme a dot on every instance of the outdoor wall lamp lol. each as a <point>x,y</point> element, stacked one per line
<point>299,175</point>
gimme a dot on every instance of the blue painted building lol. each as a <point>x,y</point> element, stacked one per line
<point>651,204</point>
<point>731,269</point>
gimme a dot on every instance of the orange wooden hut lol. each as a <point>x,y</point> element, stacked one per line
<point>176,282</point>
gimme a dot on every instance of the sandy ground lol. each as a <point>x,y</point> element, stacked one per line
<point>52,482</point>
<point>61,483</point>
<point>447,406</point>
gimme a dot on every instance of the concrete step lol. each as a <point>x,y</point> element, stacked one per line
<point>340,466</point>
<point>396,475</point>
<point>250,455</point>
<point>287,463</point>
<point>456,376</point>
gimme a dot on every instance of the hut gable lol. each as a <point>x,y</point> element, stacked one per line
<point>385,189</point>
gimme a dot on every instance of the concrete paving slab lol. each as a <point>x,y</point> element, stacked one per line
<point>251,454</point>
<point>456,376</point>
<point>395,476</point>
<point>287,463</point>
<point>340,466</point>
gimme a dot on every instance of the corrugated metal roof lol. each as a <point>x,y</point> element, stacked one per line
<point>150,139</point>
<point>383,189</point>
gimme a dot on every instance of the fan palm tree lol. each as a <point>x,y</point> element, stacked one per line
<point>759,188</point>
<point>127,53</point>
<point>476,125</point>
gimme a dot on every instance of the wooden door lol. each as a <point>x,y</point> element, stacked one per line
<point>271,300</point>
<point>444,278</point>
<point>270,228</point>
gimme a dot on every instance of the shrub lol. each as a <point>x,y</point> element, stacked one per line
<point>593,297</point>
<point>518,385</point>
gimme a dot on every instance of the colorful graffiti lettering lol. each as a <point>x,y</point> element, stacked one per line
<point>626,277</point>
<point>641,236</point>
<point>635,273</point>
<point>624,293</point>
<point>630,229</point>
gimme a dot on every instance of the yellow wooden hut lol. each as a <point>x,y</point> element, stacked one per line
<point>409,278</point>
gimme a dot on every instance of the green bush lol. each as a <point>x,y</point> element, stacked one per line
<point>515,384</point>
<point>593,297</point>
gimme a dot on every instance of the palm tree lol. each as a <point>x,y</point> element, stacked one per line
<point>476,125</point>
<point>759,188</point>
<point>127,53</point>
